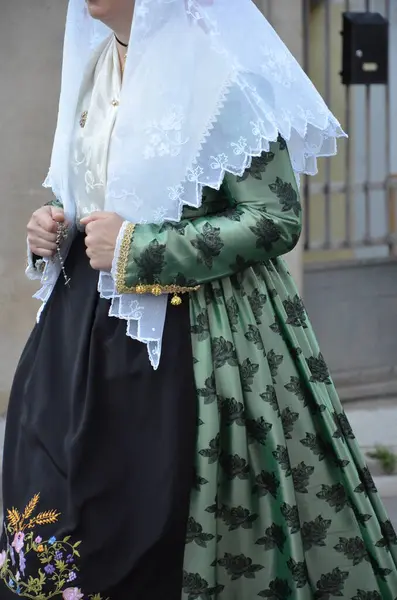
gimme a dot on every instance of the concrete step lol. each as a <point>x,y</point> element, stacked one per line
<point>374,422</point>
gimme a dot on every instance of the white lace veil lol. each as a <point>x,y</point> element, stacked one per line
<point>207,85</point>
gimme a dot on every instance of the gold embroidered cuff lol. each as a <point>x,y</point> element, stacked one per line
<point>122,259</point>
<point>155,288</point>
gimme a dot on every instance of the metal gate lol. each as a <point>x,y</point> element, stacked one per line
<point>350,274</point>
<point>350,207</point>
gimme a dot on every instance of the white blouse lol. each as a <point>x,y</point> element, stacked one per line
<point>96,117</point>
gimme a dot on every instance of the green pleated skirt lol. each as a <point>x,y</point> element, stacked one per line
<point>284,506</point>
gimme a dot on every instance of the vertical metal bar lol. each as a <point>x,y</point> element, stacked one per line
<point>390,201</point>
<point>306,66</point>
<point>327,71</point>
<point>348,175</point>
<point>368,144</point>
<point>367,235</point>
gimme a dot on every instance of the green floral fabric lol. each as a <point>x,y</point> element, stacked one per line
<point>283,505</point>
<point>54,202</point>
<point>261,220</point>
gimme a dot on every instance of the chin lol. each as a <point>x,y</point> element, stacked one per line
<point>98,9</point>
<point>116,14</point>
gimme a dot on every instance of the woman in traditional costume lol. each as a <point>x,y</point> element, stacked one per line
<point>173,430</point>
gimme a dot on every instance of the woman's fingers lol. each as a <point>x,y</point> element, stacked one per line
<point>39,242</point>
<point>42,230</point>
<point>43,220</point>
<point>57,214</point>
<point>47,218</point>
<point>42,252</point>
<point>37,232</point>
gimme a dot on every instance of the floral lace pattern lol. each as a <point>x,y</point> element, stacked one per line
<point>164,136</point>
<point>58,559</point>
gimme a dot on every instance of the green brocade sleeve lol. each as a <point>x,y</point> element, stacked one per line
<point>263,221</point>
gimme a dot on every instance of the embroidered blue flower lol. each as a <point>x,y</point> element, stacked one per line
<point>49,569</point>
<point>58,555</point>
<point>69,558</point>
<point>52,540</point>
<point>11,583</point>
<point>72,576</point>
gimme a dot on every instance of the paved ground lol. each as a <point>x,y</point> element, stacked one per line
<point>375,423</point>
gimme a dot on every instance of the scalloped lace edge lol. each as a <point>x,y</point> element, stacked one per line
<point>331,130</point>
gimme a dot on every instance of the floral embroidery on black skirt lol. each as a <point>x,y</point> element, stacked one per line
<point>58,558</point>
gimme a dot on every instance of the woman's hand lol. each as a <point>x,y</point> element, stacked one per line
<point>102,229</point>
<point>42,230</point>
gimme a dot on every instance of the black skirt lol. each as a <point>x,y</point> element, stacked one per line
<point>106,441</point>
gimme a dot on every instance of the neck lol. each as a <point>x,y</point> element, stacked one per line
<point>122,31</point>
<point>122,50</point>
<point>122,39</point>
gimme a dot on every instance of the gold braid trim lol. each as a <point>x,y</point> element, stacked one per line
<point>155,288</point>
<point>123,258</point>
